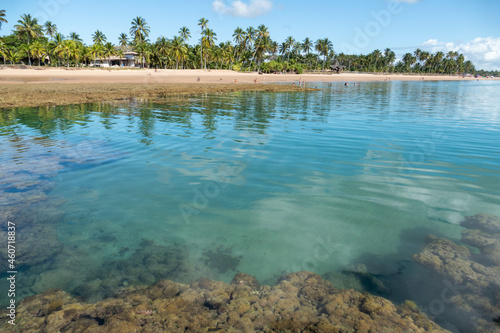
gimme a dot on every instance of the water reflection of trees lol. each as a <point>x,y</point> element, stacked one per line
<point>252,112</point>
<point>249,112</point>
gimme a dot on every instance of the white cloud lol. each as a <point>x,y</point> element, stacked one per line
<point>483,52</point>
<point>239,8</point>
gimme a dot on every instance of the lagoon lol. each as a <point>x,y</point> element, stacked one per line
<point>344,179</point>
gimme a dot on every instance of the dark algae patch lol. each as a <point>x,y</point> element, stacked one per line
<point>222,259</point>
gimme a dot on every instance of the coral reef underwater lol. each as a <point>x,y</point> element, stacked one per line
<point>472,279</point>
<point>129,295</point>
<point>301,302</point>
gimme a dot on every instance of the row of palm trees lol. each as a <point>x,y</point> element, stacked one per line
<point>251,49</point>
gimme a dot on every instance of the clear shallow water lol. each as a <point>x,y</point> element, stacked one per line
<point>258,183</point>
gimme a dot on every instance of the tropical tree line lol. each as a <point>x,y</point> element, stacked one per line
<point>251,49</point>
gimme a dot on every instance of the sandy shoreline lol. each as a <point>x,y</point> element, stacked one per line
<point>45,87</point>
<point>62,75</point>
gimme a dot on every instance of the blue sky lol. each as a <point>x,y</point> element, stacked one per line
<point>468,26</point>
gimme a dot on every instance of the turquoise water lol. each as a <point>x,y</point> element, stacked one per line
<point>262,183</point>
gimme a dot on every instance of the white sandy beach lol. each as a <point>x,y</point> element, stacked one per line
<point>62,75</point>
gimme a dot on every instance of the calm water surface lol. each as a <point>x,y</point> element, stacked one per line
<point>259,183</point>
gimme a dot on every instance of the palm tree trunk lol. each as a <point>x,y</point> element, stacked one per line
<point>29,58</point>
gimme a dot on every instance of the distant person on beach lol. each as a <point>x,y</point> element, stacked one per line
<point>346,84</point>
<point>235,81</point>
<point>256,81</point>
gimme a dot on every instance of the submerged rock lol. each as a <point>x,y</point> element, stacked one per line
<point>473,279</point>
<point>483,232</point>
<point>302,302</point>
<point>148,264</point>
<point>39,244</point>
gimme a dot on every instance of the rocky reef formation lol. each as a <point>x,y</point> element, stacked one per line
<point>30,168</point>
<point>472,280</point>
<point>145,266</point>
<point>301,302</point>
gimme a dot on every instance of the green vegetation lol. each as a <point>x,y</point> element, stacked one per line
<point>252,49</point>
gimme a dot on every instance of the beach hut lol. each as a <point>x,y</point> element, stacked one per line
<point>128,60</point>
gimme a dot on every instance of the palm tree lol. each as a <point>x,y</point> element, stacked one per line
<point>409,60</point>
<point>185,34</point>
<point>162,50</point>
<point>289,42</point>
<point>38,51</point>
<point>28,27</point>
<point>262,48</point>
<point>123,39</point>
<point>438,57</point>
<point>376,55</point>
<point>140,29</point>
<point>68,50</point>
<point>468,67</point>
<point>109,50</point>
<point>86,53</point>
<point>389,57</point>
<point>238,35</point>
<point>203,23</point>
<point>282,50</point>
<point>3,50</point>
<point>179,50</point>
<point>2,19</point>
<point>58,40</point>
<point>417,53</point>
<point>75,37</point>
<point>99,38</point>
<point>273,48</point>
<point>119,53</point>
<point>324,46</point>
<point>249,37</point>
<point>460,63</point>
<point>207,40</point>
<point>25,51</point>
<point>424,55</point>
<point>143,50</point>
<point>50,29</point>
<point>307,45</point>
<point>13,56</point>
<point>260,34</point>
<point>96,51</point>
